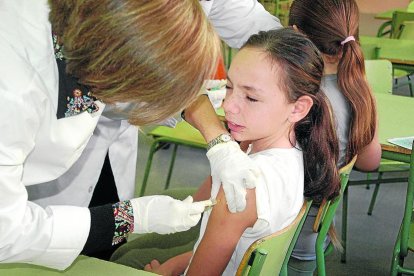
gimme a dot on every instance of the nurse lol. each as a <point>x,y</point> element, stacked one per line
<point>133,52</point>
<point>105,171</point>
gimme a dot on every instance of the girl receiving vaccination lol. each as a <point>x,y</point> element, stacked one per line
<point>274,103</point>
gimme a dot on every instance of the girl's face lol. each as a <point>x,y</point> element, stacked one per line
<point>256,108</point>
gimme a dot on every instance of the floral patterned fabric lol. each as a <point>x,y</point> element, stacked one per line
<point>124,221</point>
<point>74,98</point>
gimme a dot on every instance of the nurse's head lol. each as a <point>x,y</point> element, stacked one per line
<point>155,53</point>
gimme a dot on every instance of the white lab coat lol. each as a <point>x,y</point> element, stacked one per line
<point>36,148</point>
<point>235,21</point>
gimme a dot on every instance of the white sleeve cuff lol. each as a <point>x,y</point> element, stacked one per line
<point>71,227</point>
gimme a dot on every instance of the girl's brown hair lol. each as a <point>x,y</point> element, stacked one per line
<point>155,54</point>
<point>301,75</point>
<point>328,23</point>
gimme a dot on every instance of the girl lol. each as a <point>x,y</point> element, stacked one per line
<point>273,100</point>
<point>332,25</point>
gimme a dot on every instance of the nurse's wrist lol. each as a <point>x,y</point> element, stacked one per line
<point>101,233</point>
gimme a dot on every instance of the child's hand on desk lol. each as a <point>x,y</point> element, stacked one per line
<point>156,267</point>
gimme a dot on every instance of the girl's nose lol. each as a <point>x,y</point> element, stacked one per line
<point>230,104</point>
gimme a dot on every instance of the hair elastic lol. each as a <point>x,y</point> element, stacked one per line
<point>349,38</point>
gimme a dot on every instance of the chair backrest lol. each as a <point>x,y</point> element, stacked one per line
<point>398,23</point>
<point>411,6</point>
<point>370,50</point>
<point>408,31</point>
<point>267,255</point>
<point>379,75</point>
<point>328,208</point>
<point>395,27</point>
<point>284,270</point>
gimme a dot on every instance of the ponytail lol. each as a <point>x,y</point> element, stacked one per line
<point>317,137</point>
<point>353,84</point>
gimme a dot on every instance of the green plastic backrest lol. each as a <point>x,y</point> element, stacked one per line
<point>82,266</point>
<point>410,7</point>
<point>398,22</point>
<point>284,271</point>
<point>328,208</point>
<point>370,50</point>
<point>379,75</point>
<point>408,31</point>
<point>266,255</point>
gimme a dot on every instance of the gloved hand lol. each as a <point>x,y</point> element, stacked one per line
<point>165,215</point>
<point>236,171</point>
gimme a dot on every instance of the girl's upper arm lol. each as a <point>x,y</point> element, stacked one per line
<point>221,236</point>
<point>370,156</point>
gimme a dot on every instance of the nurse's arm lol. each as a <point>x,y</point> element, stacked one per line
<point>203,117</point>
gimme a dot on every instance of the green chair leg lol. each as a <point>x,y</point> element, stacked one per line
<point>152,150</point>
<point>174,153</point>
<point>396,260</point>
<point>368,178</point>
<point>344,224</point>
<point>320,258</point>
<point>374,194</point>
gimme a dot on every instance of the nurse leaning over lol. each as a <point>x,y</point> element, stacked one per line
<point>124,51</point>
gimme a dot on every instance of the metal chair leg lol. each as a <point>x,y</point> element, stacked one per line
<point>344,224</point>
<point>174,153</point>
<point>152,150</point>
<point>368,178</point>
<point>374,195</point>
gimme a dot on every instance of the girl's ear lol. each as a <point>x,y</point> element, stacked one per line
<point>300,109</point>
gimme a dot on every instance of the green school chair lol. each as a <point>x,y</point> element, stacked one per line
<point>284,270</point>
<point>183,134</point>
<point>400,27</point>
<point>270,255</point>
<point>407,32</point>
<point>325,216</point>
<point>379,76</point>
<point>405,238</point>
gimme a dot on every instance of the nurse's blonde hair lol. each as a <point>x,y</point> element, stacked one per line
<point>153,53</point>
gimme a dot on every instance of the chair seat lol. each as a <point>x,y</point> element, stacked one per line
<point>392,166</point>
<point>183,133</point>
<point>398,73</point>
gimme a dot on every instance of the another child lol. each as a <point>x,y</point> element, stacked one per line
<point>333,25</point>
<point>273,101</point>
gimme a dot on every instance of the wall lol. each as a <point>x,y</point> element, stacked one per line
<point>376,6</point>
<point>368,25</point>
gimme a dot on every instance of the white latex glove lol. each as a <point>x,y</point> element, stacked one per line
<point>236,171</point>
<point>165,215</point>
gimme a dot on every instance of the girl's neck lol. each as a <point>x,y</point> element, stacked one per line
<point>330,68</point>
<point>330,64</point>
<point>281,142</point>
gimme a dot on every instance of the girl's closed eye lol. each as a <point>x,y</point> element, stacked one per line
<point>251,99</point>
